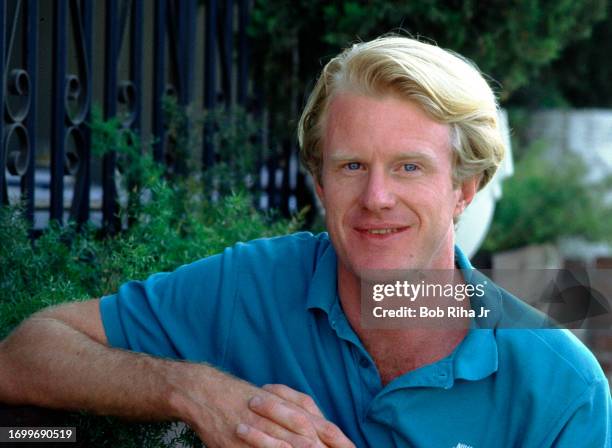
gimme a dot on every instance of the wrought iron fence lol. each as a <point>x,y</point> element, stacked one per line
<point>61,57</point>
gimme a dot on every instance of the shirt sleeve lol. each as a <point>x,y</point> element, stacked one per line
<point>186,314</point>
<point>588,423</point>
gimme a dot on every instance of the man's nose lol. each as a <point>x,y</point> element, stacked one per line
<point>378,193</point>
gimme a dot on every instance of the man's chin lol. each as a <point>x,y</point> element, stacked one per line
<point>381,271</point>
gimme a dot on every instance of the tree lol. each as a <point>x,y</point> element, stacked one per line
<point>510,40</point>
<point>580,77</point>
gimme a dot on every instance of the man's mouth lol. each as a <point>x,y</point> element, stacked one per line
<point>381,230</point>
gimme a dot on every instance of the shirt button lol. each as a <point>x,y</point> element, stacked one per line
<point>364,362</point>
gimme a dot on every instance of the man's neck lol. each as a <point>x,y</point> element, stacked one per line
<point>397,351</point>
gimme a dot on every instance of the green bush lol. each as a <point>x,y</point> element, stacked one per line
<point>171,223</point>
<point>549,199</point>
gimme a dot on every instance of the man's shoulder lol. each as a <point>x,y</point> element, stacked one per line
<point>524,335</point>
<point>280,260</point>
<point>548,353</point>
<point>300,246</point>
<point>267,259</point>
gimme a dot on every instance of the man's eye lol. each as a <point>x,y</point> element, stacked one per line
<point>410,167</point>
<point>353,166</point>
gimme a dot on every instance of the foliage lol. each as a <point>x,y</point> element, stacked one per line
<point>234,133</point>
<point>184,140</point>
<point>509,40</point>
<point>548,199</point>
<point>173,223</point>
<point>135,170</point>
<point>579,77</point>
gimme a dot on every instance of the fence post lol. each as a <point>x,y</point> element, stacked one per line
<point>159,68</point>
<point>136,55</point>
<point>56,211</point>
<point>79,128</point>
<point>210,79</point>
<point>3,183</point>
<point>243,55</point>
<point>111,50</point>
<point>31,36</point>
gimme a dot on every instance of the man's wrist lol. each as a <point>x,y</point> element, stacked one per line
<point>193,391</point>
<point>179,390</point>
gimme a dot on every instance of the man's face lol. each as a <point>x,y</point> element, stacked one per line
<point>386,185</point>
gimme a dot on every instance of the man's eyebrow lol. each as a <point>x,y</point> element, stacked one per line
<point>414,155</point>
<point>342,156</point>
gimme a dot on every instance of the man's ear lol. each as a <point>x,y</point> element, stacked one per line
<point>319,189</point>
<point>467,191</point>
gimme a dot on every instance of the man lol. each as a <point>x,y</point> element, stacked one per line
<point>399,135</point>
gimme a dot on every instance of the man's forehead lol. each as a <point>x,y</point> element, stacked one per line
<point>402,126</point>
<point>346,105</point>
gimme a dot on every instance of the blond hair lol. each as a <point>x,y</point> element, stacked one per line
<point>447,86</point>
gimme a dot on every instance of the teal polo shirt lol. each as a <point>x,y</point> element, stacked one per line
<point>268,312</point>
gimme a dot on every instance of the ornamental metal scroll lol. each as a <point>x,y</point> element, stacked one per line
<point>77,105</point>
<point>71,106</point>
<point>129,91</point>
<point>17,94</point>
<point>122,97</point>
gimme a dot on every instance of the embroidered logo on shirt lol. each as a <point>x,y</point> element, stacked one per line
<point>462,445</point>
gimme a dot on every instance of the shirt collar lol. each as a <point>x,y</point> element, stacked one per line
<point>323,286</point>
<point>323,294</point>
<point>476,357</point>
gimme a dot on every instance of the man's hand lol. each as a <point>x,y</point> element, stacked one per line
<point>229,412</point>
<point>300,422</point>
<point>214,403</point>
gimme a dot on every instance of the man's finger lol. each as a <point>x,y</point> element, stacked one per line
<point>285,414</point>
<point>293,396</point>
<point>258,439</point>
<point>328,432</point>
<point>332,436</point>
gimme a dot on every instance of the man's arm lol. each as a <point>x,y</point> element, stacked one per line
<point>59,358</point>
